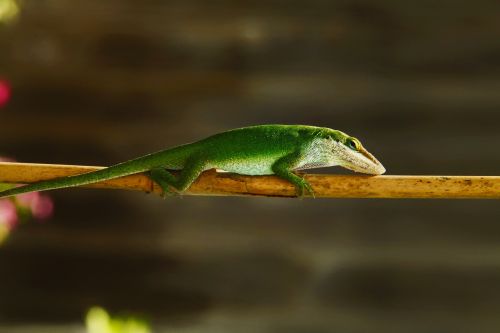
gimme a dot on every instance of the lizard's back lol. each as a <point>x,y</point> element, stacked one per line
<point>253,150</point>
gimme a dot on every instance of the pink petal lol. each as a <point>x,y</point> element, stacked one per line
<point>27,199</point>
<point>4,92</point>
<point>42,207</point>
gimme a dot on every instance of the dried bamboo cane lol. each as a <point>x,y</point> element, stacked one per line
<point>212,183</point>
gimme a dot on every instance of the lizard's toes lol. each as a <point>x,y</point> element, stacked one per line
<point>302,187</point>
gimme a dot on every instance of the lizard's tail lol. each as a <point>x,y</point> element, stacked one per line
<point>119,170</point>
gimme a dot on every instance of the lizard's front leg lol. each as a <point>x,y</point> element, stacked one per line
<point>283,168</point>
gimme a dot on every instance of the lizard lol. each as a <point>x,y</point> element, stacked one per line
<point>272,149</point>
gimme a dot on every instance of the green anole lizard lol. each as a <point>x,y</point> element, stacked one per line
<point>257,150</point>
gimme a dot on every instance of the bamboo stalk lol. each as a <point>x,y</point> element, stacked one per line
<point>325,186</point>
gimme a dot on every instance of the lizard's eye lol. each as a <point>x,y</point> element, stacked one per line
<point>353,144</point>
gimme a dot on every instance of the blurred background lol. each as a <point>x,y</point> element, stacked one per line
<point>98,82</point>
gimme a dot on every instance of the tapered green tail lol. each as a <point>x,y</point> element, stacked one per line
<point>115,171</point>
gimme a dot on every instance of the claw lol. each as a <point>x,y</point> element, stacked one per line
<point>304,185</point>
<point>309,189</point>
<point>168,192</point>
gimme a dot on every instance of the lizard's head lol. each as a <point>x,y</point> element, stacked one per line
<point>349,153</point>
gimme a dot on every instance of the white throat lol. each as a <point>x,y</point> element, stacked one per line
<point>319,154</point>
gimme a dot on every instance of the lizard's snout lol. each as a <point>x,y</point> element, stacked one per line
<point>373,167</point>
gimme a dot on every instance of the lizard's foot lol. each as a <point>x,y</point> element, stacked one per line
<point>304,185</point>
<point>162,178</point>
<point>168,191</point>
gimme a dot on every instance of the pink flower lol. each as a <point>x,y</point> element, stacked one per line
<point>41,206</point>
<point>8,214</point>
<point>4,92</point>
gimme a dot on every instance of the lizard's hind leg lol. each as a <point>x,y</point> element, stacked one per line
<point>192,170</point>
<point>164,179</point>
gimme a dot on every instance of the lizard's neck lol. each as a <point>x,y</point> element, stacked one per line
<point>318,154</point>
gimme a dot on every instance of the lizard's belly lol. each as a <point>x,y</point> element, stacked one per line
<point>252,167</point>
<point>263,165</point>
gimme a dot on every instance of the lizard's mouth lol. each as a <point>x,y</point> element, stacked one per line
<point>376,168</point>
<point>361,161</point>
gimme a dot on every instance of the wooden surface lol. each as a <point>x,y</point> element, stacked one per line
<point>325,186</point>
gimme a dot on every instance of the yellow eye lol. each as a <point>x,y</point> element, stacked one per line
<point>353,143</point>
